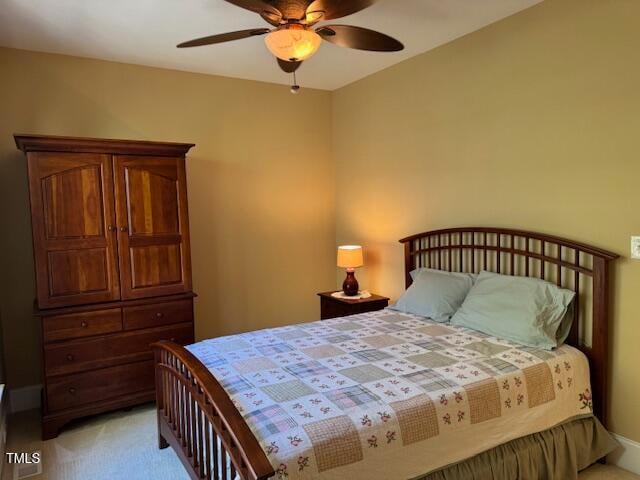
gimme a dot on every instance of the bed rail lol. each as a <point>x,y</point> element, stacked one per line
<point>199,420</point>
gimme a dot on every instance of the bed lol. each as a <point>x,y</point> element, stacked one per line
<point>395,395</point>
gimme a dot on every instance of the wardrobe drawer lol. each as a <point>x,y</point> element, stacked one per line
<point>95,386</point>
<point>77,325</point>
<point>79,355</point>
<point>158,314</point>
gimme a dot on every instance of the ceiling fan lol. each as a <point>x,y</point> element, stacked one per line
<point>294,38</point>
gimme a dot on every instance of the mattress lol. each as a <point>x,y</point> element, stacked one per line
<point>387,395</point>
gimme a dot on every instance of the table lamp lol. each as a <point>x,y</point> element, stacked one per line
<point>350,257</point>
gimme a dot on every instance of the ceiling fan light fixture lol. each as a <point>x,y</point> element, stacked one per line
<point>293,42</point>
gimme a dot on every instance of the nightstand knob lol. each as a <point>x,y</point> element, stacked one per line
<point>84,324</point>
<point>173,339</point>
<point>72,391</point>
<point>159,315</point>
<point>70,357</point>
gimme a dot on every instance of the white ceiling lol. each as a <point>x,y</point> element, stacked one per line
<point>145,32</point>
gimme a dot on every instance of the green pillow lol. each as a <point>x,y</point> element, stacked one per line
<point>415,272</point>
<point>522,309</point>
<point>435,294</point>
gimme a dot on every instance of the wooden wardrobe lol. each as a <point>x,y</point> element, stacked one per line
<point>113,269</point>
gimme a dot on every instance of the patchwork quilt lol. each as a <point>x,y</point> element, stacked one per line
<point>388,395</point>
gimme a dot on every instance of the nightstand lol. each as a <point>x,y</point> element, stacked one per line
<point>331,307</point>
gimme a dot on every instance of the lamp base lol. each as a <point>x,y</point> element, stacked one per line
<point>350,285</point>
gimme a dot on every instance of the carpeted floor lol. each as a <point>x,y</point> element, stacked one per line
<point>123,445</point>
<point>605,472</point>
<point>120,445</point>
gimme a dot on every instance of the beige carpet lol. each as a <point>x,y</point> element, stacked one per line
<point>605,472</point>
<point>123,445</point>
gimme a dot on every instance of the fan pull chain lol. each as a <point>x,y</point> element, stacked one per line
<point>295,88</point>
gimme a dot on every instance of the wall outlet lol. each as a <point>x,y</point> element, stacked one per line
<point>635,248</point>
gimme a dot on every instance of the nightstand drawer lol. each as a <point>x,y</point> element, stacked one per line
<point>98,385</point>
<point>78,325</point>
<point>77,356</point>
<point>158,314</point>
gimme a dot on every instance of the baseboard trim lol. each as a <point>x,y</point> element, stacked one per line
<point>627,456</point>
<point>24,398</point>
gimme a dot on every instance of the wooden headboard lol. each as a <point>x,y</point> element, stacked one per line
<point>575,266</point>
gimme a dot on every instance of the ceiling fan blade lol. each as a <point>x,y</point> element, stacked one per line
<point>224,37</point>
<point>339,8</point>
<point>359,38</point>
<point>288,67</point>
<point>268,12</point>
<point>271,17</point>
<point>257,6</point>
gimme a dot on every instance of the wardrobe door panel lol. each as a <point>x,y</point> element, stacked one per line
<point>156,265</point>
<point>153,201</point>
<point>73,223</point>
<point>153,233</point>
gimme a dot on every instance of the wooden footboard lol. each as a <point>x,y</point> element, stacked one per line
<point>200,422</point>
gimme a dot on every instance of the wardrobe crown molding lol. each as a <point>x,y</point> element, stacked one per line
<point>48,143</point>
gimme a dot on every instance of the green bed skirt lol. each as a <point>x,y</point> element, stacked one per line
<point>555,454</point>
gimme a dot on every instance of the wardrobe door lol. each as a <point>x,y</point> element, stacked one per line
<point>73,223</point>
<point>153,227</point>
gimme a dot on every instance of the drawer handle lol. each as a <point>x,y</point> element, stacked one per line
<point>159,315</point>
<point>70,357</point>
<point>84,324</point>
<point>173,339</point>
<point>72,391</point>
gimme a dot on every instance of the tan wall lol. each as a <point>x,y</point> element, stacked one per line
<point>533,123</point>
<point>261,185</point>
